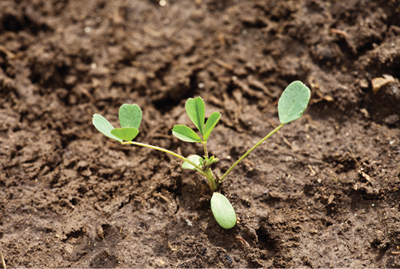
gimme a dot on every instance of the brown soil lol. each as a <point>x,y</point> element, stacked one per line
<point>323,192</point>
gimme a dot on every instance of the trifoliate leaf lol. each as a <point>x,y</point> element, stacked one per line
<point>193,158</point>
<point>126,133</point>
<point>130,116</point>
<point>186,134</point>
<point>293,102</point>
<point>223,211</point>
<point>104,126</point>
<point>210,124</point>
<point>196,110</point>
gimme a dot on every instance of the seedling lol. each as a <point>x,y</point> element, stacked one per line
<point>291,106</point>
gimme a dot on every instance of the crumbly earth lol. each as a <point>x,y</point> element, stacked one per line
<point>323,192</point>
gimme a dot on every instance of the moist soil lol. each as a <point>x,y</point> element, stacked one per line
<point>322,192</point>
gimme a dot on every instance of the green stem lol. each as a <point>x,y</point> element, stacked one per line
<point>167,151</point>
<point>205,150</point>
<point>211,181</point>
<point>249,151</point>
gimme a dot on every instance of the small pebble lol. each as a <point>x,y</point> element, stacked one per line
<point>229,259</point>
<point>392,119</point>
<point>364,83</point>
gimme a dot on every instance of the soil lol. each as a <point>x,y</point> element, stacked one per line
<point>322,192</point>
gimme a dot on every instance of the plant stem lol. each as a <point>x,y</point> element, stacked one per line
<point>207,172</point>
<point>167,151</point>
<point>249,151</point>
<point>205,151</point>
<point>211,181</point>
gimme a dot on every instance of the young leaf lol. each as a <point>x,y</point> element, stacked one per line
<point>186,134</point>
<point>293,102</point>
<point>126,133</point>
<point>223,211</point>
<point>196,111</point>
<point>193,158</point>
<point>210,161</point>
<point>210,124</point>
<point>104,126</point>
<point>130,116</point>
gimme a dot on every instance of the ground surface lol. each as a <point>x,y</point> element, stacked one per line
<point>322,192</point>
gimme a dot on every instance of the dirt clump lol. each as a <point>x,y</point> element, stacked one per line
<point>323,192</point>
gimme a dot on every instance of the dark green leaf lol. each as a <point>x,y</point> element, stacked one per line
<point>293,102</point>
<point>223,211</point>
<point>126,133</point>
<point>186,134</point>
<point>130,116</point>
<point>196,110</point>
<point>193,158</point>
<point>210,124</point>
<point>104,126</point>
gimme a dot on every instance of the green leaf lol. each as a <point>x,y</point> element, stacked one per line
<point>293,102</point>
<point>104,126</point>
<point>210,124</point>
<point>196,110</point>
<point>193,158</point>
<point>210,161</point>
<point>186,134</point>
<point>223,211</point>
<point>126,133</point>
<point>130,116</point>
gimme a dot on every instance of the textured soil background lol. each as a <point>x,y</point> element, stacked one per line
<point>322,192</point>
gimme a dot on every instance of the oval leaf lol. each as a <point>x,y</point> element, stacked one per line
<point>186,134</point>
<point>210,124</point>
<point>130,116</point>
<point>193,158</point>
<point>127,133</point>
<point>104,126</point>
<point>223,211</point>
<point>196,110</point>
<point>293,102</point>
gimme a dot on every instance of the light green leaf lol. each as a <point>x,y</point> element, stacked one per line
<point>186,134</point>
<point>130,116</point>
<point>126,133</point>
<point>223,211</point>
<point>210,161</point>
<point>104,126</point>
<point>210,124</point>
<point>196,110</point>
<point>293,102</point>
<point>193,158</point>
